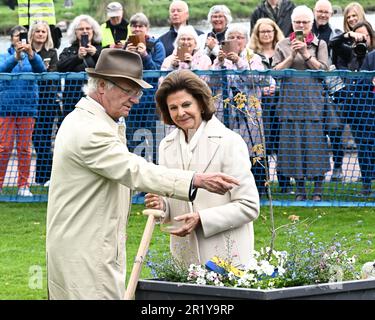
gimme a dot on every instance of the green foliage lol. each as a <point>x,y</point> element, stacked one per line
<point>23,229</point>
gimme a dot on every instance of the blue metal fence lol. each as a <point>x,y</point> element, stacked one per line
<point>318,128</point>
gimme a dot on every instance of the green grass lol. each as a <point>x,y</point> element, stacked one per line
<point>156,10</point>
<point>22,240</point>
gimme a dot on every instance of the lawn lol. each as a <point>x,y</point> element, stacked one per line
<point>22,240</point>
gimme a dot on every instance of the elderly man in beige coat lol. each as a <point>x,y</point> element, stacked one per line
<point>92,177</point>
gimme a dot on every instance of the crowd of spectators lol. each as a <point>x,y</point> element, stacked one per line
<point>30,109</point>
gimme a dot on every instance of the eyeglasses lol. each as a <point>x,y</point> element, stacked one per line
<point>266,31</point>
<point>236,37</point>
<point>84,29</point>
<point>323,12</point>
<point>130,92</point>
<point>186,39</point>
<point>218,16</point>
<point>301,22</point>
<point>138,26</point>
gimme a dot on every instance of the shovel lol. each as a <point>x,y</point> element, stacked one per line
<point>152,214</point>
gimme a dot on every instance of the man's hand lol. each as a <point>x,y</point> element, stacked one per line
<point>215,182</point>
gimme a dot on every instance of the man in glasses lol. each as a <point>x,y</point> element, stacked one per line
<point>278,11</point>
<point>92,177</point>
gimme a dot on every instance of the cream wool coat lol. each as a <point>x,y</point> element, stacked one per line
<point>226,220</point>
<point>89,202</point>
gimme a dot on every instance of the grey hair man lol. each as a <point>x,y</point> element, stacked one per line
<point>322,28</point>
<point>178,16</point>
<point>92,177</point>
<point>278,11</point>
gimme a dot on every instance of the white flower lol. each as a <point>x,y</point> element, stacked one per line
<point>201,281</point>
<point>280,270</point>
<point>252,265</point>
<point>266,267</point>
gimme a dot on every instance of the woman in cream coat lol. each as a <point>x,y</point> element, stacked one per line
<point>212,225</point>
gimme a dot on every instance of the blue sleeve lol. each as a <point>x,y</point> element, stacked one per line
<point>37,64</point>
<point>154,61</point>
<point>8,64</point>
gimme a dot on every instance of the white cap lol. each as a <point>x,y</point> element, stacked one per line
<point>114,9</point>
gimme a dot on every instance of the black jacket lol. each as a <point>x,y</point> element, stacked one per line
<point>282,19</point>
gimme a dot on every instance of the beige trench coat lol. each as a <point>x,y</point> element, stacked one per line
<point>89,202</point>
<point>226,220</point>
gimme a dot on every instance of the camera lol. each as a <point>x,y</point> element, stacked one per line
<point>360,48</point>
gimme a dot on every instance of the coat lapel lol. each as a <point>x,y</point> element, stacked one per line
<point>207,146</point>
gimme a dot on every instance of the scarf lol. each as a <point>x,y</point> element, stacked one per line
<point>308,39</point>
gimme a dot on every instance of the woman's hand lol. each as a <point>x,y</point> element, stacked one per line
<point>91,50</point>
<point>26,47</point>
<point>211,42</point>
<point>232,56</point>
<point>19,48</point>
<point>175,61</point>
<point>141,49</point>
<point>192,220</point>
<point>153,201</point>
<point>82,52</point>
<point>131,47</point>
<point>300,47</point>
<point>221,56</point>
<point>188,57</point>
<point>356,36</point>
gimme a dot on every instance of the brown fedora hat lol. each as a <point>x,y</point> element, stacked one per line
<point>117,63</point>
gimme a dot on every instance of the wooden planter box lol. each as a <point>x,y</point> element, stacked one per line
<point>163,290</point>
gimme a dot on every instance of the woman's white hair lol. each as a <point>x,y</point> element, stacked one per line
<point>218,9</point>
<point>236,27</point>
<point>49,42</point>
<point>93,84</point>
<point>71,33</point>
<point>187,31</point>
<point>304,10</point>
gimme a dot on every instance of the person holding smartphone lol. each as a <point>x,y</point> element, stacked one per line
<point>234,55</point>
<point>219,17</point>
<point>193,58</point>
<point>85,37</point>
<point>41,41</point>
<point>18,109</point>
<point>303,149</point>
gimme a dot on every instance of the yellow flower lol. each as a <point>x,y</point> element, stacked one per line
<point>258,148</point>
<point>226,102</point>
<point>293,218</point>
<point>240,98</point>
<point>254,102</point>
<point>255,159</point>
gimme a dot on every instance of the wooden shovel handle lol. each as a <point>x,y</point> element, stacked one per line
<point>141,254</point>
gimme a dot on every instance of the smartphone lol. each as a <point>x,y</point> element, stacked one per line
<point>299,35</point>
<point>135,39</point>
<point>23,37</point>
<point>181,50</point>
<point>85,40</point>
<point>46,62</point>
<point>229,46</point>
